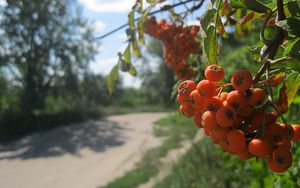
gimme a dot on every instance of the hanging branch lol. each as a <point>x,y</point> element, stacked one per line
<point>165,8</point>
<point>271,47</point>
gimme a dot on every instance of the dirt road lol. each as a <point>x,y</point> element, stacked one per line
<point>84,155</point>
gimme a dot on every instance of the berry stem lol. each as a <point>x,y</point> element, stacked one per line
<point>269,89</point>
<point>272,46</point>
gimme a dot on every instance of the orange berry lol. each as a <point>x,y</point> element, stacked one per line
<point>271,117</point>
<point>214,73</point>
<point>246,111</point>
<point>225,116</point>
<point>274,166</point>
<point>236,140</point>
<point>257,97</point>
<point>296,133</point>
<point>220,132</point>
<point>209,120</point>
<point>196,100</point>
<point>257,121</point>
<point>187,109</point>
<point>198,119</point>
<point>238,121</point>
<point>241,80</point>
<point>214,138</point>
<point>282,156</point>
<point>223,96</point>
<point>185,88</point>
<point>206,131</point>
<point>259,147</point>
<point>213,104</point>
<point>225,146</point>
<point>244,154</point>
<point>206,88</point>
<point>181,99</point>
<point>236,100</point>
<point>276,133</point>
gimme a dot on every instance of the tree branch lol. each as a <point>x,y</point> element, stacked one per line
<point>272,46</point>
<point>151,13</point>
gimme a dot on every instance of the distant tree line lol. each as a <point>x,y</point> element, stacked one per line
<point>45,80</point>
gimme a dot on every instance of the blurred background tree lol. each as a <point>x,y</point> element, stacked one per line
<point>45,46</point>
<point>157,82</point>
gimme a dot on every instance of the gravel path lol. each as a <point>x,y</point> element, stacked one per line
<point>84,155</point>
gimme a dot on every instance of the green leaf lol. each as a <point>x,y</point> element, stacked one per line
<point>152,1</point>
<point>205,20</point>
<point>112,78</point>
<point>237,4</point>
<point>294,8</point>
<point>238,27</point>
<point>131,20</point>
<point>210,47</point>
<point>292,83</point>
<point>140,29</point>
<point>125,60</point>
<point>291,25</point>
<point>127,54</point>
<point>254,5</point>
<point>138,6</point>
<point>132,71</point>
<point>136,49</point>
<point>220,27</point>
<point>293,49</point>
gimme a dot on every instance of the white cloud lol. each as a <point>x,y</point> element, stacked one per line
<point>122,36</point>
<point>108,5</point>
<point>193,22</point>
<point>117,6</point>
<point>98,26</point>
<point>3,3</point>
<point>130,81</point>
<point>104,66</point>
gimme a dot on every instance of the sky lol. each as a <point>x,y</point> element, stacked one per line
<point>108,15</point>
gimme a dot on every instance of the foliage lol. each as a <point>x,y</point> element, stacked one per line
<point>271,53</point>
<point>42,49</point>
<point>206,165</point>
<point>157,85</point>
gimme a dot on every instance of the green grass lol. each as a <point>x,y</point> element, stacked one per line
<point>206,165</point>
<point>174,128</point>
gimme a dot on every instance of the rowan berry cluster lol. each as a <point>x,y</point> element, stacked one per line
<point>236,120</point>
<point>179,42</point>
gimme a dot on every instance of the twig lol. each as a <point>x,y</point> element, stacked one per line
<point>273,45</point>
<point>262,31</point>
<point>279,60</point>
<point>151,13</point>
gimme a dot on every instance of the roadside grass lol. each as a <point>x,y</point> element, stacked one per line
<point>173,128</point>
<point>206,165</point>
<point>202,166</point>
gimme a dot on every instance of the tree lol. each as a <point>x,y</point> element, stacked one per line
<point>43,44</point>
<point>249,119</point>
<point>157,84</point>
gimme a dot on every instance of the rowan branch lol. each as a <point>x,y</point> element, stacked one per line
<point>272,46</point>
<point>165,8</point>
